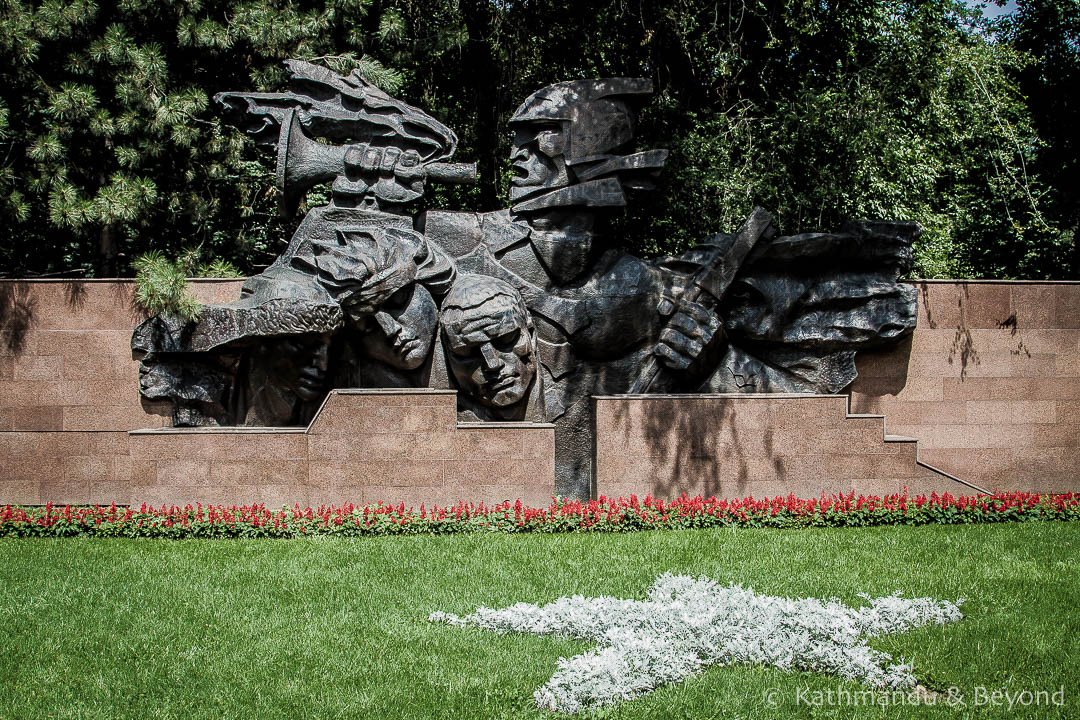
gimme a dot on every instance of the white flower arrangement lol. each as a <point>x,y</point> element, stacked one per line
<point>686,624</point>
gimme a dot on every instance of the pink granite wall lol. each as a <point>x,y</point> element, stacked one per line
<point>65,354</point>
<point>989,383</point>
<point>760,445</point>
<point>69,395</point>
<point>364,446</point>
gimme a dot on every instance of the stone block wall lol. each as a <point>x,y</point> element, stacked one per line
<point>760,445</point>
<point>407,446</point>
<point>989,383</point>
<point>69,395</point>
<point>65,354</point>
<point>364,446</point>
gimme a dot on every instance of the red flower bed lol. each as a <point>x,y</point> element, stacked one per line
<point>601,515</point>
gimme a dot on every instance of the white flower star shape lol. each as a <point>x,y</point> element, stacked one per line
<point>686,624</point>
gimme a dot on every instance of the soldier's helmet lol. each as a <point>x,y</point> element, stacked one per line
<point>596,114</point>
<point>598,122</point>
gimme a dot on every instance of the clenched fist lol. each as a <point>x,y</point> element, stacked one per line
<point>686,335</point>
<point>393,175</point>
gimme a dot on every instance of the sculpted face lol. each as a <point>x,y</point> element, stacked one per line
<point>401,332</point>
<point>538,159</point>
<point>491,350</point>
<point>298,364</point>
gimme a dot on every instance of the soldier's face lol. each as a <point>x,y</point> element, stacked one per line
<point>491,352</point>
<point>299,363</point>
<point>537,158</point>
<point>401,332</point>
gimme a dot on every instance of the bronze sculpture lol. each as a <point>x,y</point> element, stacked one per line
<point>490,345</point>
<point>538,310</point>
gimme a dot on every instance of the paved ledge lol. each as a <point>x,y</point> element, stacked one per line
<point>219,430</point>
<point>508,424</point>
<point>716,396</point>
<point>983,281</point>
<point>393,391</point>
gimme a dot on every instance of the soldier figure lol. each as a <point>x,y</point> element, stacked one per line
<point>490,345</point>
<point>599,312</point>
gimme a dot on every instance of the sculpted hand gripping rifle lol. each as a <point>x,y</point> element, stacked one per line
<point>714,278</point>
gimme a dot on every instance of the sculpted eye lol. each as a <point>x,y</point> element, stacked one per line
<point>743,292</point>
<point>506,343</point>
<point>400,299</point>
<point>293,346</point>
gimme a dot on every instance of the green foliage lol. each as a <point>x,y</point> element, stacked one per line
<point>1048,31</point>
<point>115,148</point>
<point>878,110</point>
<point>161,284</point>
<point>217,268</point>
<point>819,112</point>
<point>908,109</point>
<point>386,79</point>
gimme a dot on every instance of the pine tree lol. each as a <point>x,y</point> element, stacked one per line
<point>111,144</point>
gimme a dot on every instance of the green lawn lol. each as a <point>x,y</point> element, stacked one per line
<point>336,628</point>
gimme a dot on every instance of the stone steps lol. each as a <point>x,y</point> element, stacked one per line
<point>915,442</point>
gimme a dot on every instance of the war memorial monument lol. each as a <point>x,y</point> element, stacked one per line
<point>528,312</point>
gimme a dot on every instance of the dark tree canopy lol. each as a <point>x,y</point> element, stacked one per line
<point>818,111</point>
<point>1048,31</point>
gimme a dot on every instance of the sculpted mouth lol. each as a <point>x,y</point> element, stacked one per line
<point>504,382</point>
<point>407,346</point>
<point>521,173</point>
<point>309,384</point>
<point>311,379</point>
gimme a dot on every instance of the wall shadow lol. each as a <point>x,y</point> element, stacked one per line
<point>17,307</point>
<point>701,452</point>
<point>891,370</point>
<point>963,344</point>
<point>125,297</point>
<point>75,295</point>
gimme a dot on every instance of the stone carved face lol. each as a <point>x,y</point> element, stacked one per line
<point>297,364</point>
<point>491,350</point>
<point>401,332</point>
<point>538,159</point>
<point>563,240</point>
<point>384,279</point>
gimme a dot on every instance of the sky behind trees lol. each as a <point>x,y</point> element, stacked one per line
<point>992,9</point>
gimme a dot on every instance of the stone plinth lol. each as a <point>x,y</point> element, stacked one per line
<point>989,384</point>
<point>364,446</point>
<point>760,445</point>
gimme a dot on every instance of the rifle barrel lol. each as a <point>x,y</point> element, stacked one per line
<point>458,173</point>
